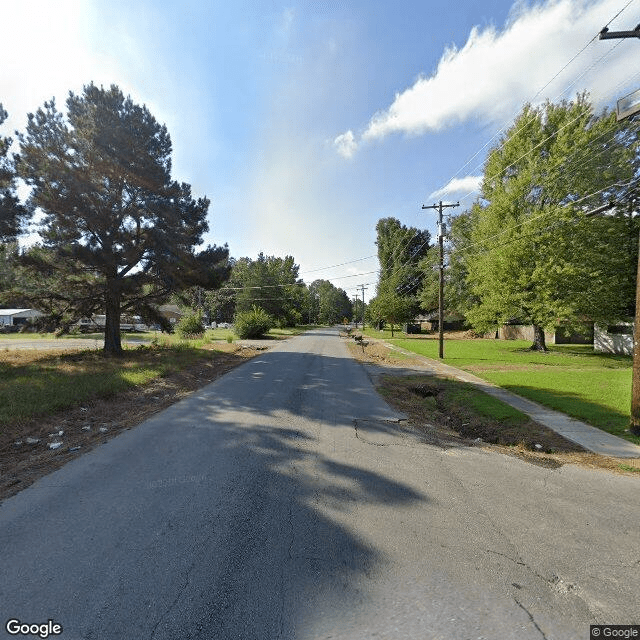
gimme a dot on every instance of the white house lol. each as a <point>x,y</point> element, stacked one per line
<point>614,339</point>
<point>18,316</point>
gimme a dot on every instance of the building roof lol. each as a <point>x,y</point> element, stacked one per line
<point>14,312</point>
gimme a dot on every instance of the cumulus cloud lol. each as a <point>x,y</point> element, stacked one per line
<point>461,186</point>
<point>346,144</point>
<point>496,71</point>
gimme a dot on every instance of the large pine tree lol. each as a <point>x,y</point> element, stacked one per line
<point>101,174</point>
<point>12,213</point>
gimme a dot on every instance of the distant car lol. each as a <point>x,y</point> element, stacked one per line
<point>224,325</point>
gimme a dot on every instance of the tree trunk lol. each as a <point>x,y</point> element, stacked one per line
<point>112,343</point>
<point>539,343</point>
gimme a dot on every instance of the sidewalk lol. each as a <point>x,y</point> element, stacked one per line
<point>585,435</point>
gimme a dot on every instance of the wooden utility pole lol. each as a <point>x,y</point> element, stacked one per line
<point>440,207</point>
<point>363,290</point>
<point>605,34</point>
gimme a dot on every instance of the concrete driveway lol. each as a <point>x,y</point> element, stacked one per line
<point>285,500</point>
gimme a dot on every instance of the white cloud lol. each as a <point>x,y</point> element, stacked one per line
<point>56,60</point>
<point>463,186</point>
<point>495,72</point>
<point>346,144</point>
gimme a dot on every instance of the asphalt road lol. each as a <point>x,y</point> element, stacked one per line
<point>281,502</point>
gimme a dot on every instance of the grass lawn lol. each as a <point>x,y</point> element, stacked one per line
<point>592,387</point>
<point>38,383</point>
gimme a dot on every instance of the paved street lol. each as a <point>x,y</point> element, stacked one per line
<point>285,500</point>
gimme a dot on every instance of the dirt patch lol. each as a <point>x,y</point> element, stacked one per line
<point>101,419</point>
<point>377,352</point>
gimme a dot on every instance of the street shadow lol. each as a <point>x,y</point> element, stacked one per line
<point>229,515</point>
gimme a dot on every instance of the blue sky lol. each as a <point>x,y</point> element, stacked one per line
<point>306,122</point>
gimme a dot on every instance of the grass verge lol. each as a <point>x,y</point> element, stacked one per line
<point>446,410</point>
<point>87,399</point>
<point>470,412</point>
<point>592,387</point>
<point>36,383</point>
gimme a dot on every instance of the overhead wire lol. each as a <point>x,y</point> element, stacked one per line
<point>401,248</point>
<point>575,56</point>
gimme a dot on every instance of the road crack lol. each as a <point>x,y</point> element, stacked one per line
<point>533,622</point>
<point>399,436</point>
<point>172,606</point>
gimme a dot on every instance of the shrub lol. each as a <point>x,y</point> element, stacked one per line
<point>252,324</point>
<point>190,325</point>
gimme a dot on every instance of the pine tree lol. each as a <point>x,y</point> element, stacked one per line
<point>101,174</point>
<point>12,213</point>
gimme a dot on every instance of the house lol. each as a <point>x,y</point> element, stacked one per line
<point>617,338</point>
<point>16,317</point>
<point>561,334</point>
<point>171,312</point>
<point>452,321</point>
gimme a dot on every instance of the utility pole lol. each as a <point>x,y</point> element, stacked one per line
<point>605,34</point>
<point>440,207</point>
<point>363,288</point>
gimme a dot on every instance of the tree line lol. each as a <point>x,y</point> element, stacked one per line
<point>526,250</point>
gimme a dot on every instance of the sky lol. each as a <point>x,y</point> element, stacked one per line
<point>306,122</point>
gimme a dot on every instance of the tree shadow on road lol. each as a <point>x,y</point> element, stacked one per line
<point>230,515</point>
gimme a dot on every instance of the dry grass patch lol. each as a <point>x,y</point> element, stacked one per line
<point>95,419</point>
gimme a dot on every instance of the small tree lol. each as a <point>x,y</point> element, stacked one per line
<point>102,176</point>
<point>392,307</point>
<point>252,324</point>
<point>190,325</point>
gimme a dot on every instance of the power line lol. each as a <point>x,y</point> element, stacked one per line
<point>578,54</point>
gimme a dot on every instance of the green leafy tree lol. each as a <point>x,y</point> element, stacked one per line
<point>333,304</point>
<point>391,307</point>
<point>101,174</point>
<point>400,250</point>
<point>532,255</point>
<point>270,283</point>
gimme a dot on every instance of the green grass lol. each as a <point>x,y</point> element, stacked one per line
<point>592,387</point>
<point>485,405</point>
<point>33,383</point>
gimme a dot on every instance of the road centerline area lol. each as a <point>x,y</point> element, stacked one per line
<point>274,503</point>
